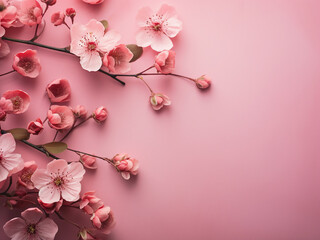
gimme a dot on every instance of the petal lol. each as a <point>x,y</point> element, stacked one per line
<point>95,27</point>
<point>47,229</point>
<point>32,215</point>
<point>2,31</point>
<point>109,41</point>
<point>49,194</point>
<point>4,49</point>
<point>143,15</point>
<point>144,37</point>
<point>167,11</point>
<point>3,173</point>
<point>7,143</point>
<point>12,161</point>
<point>161,42</point>
<point>71,191</point>
<point>173,27</point>
<point>21,235</point>
<point>125,175</point>
<point>57,166</point>
<point>14,226</point>
<point>91,61</point>
<point>41,178</point>
<point>74,171</point>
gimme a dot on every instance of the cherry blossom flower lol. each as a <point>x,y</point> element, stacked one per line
<point>103,219</point>
<point>100,114</point>
<point>93,1</point>
<point>90,203</point>
<point>159,100</point>
<point>57,18</point>
<point>10,162</point>
<point>126,165</point>
<point>33,225</point>
<point>80,111</point>
<point>24,178</point>
<point>60,117</point>
<point>20,100</point>
<point>156,29</point>
<point>27,63</point>
<point>89,42</point>
<point>35,127</point>
<point>88,161</point>
<point>51,207</point>
<point>165,61</point>
<point>6,106</point>
<point>30,12</point>
<point>59,91</point>
<point>117,60</point>
<point>8,14</point>
<point>60,179</point>
<point>203,82</point>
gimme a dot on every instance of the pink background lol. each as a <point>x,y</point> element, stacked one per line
<point>240,161</point>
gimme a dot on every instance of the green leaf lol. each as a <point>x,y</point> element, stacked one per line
<point>137,51</point>
<point>55,147</point>
<point>105,24</point>
<point>19,133</point>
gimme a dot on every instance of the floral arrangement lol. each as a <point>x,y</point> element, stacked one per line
<point>40,193</point>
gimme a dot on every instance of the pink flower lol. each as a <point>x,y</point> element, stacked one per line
<point>89,42</point>
<point>6,106</point>
<point>51,207</point>
<point>165,61</point>
<point>80,111</point>
<point>7,16</point>
<point>71,13</point>
<point>159,100</point>
<point>103,219</point>
<point>49,2</point>
<point>100,114</point>
<point>60,179</point>
<point>33,225</point>
<point>35,127</point>
<point>27,63</point>
<point>117,60</point>
<point>90,203</point>
<point>156,29</point>
<point>30,12</point>
<point>10,162</point>
<point>126,165</point>
<point>59,91</point>
<point>60,117</point>
<point>203,82</point>
<point>24,178</point>
<point>20,100</point>
<point>93,1</point>
<point>57,18</point>
<point>88,161</point>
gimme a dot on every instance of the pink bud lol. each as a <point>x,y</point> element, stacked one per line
<point>35,127</point>
<point>57,18</point>
<point>203,82</point>
<point>88,161</point>
<point>70,12</point>
<point>80,111</point>
<point>165,61</point>
<point>159,100</point>
<point>126,165</point>
<point>100,114</point>
<point>49,2</point>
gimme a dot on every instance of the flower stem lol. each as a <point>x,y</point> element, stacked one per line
<point>92,155</point>
<point>7,189</point>
<point>153,74</point>
<point>36,36</point>
<point>3,74</point>
<point>146,84</point>
<point>74,127</point>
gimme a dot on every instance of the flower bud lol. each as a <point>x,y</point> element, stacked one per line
<point>80,111</point>
<point>126,165</point>
<point>71,13</point>
<point>159,100</point>
<point>203,82</point>
<point>49,2</point>
<point>88,161</point>
<point>100,114</point>
<point>58,18</point>
<point>35,127</point>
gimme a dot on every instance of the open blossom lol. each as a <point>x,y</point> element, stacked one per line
<point>33,225</point>
<point>6,106</point>
<point>203,82</point>
<point>90,41</point>
<point>165,61</point>
<point>30,12</point>
<point>80,111</point>
<point>51,207</point>
<point>100,114</point>
<point>8,14</point>
<point>88,161</point>
<point>20,100</point>
<point>10,162</point>
<point>57,18</point>
<point>93,1</point>
<point>59,91</point>
<point>156,29</point>
<point>117,60</point>
<point>60,117</point>
<point>126,165</point>
<point>24,178</point>
<point>159,100</point>
<point>35,127</point>
<point>60,179</point>
<point>27,63</point>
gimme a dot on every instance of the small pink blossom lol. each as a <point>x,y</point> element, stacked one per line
<point>156,29</point>
<point>88,161</point>
<point>33,225</point>
<point>59,91</point>
<point>24,178</point>
<point>6,106</point>
<point>60,117</point>
<point>7,16</point>
<point>90,203</point>
<point>159,100</point>
<point>60,179</point>
<point>71,13</point>
<point>10,162</point>
<point>35,127</point>
<point>27,63</point>
<point>57,18</point>
<point>80,111</point>
<point>117,60</point>
<point>103,219</point>
<point>100,114</point>
<point>93,1</point>
<point>165,61</point>
<point>49,2</point>
<point>203,82</point>
<point>20,100</point>
<point>90,41</point>
<point>126,165</point>
<point>30,12</point>
<point>51,207</point>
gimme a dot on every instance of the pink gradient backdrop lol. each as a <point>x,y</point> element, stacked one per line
<point>240,161</point>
